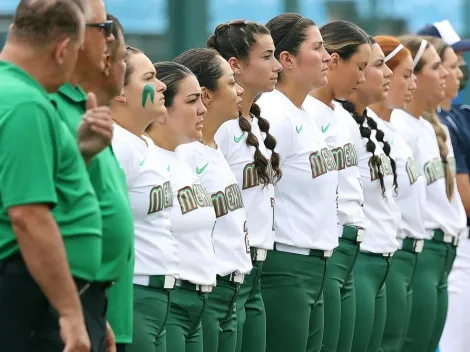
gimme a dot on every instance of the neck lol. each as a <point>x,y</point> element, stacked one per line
<point>127,120</point>
<point>37,64</point>
<point>416,106</point>
<point>211,125</point>
<point>446,104</point>
<point>324,94</point>
<point>293,92</point>
<point>247,102</point>
<point>102,96</point>
<point>162,138</point>
<point>382,111</point>
<point>359,104</point>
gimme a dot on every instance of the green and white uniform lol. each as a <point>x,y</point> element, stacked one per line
<point>379,243</point>
<point>259,205</point>
<point>443,224</point>
<point>156,256</point>
<point>231,243</point>
<point>339,294</point>
<point>192,220</point>
<point>306,228</point>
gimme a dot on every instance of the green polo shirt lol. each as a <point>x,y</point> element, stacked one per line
<point>109,183</point>
<point>40,163</point>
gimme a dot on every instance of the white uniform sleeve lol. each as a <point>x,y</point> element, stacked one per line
<point>125,155</point>
<point>222,138</point>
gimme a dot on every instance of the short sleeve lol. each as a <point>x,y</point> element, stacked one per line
<point>222,139</point>
<point>125,155</point>
<point>28,147</point>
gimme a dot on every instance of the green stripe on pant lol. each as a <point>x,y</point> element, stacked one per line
<point>292,288</point>
<point>219,323</point>
<point>340,298</point>
<point>251,315</point>
<point>399,299</point>
<point>370,273</point>
<point>430,297</point>
<point>183,328</point>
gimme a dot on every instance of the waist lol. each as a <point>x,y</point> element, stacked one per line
<point>353,233</point>
<point>235,278</point>
<point>187,285</point>
<point>84,253</point>
<point>439,236</point>
<point>412,245</point>
<point>280,247</point>
<point>258,254</point>
<point>166,282</point>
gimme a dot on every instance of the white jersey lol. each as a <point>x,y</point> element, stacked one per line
<point>411,196</point>
<point>258,199</point>
<point>192,222</point>
<point>420,136</point>
<point>305,209</point>
<point>379,208</point>
<point>338,139</point>
<point>151,199</point>
<point>230,234</point>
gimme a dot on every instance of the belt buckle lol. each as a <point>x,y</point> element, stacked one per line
<point>388,255</point>
<point>328,254</point>
<point>418,246</point>
<point>360,234</point>
<point>238,278</point>
<point>448,239</point>
<point>204,288</point>
<point>170,282</point>
<point>261,254</point>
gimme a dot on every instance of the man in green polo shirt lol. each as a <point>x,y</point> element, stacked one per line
<point>105,173</point>
<point>48,209</point>
<point>107,86</point>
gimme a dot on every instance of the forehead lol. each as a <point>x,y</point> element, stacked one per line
<point>263,42</point>
<point>450,55</point>
<point>430,55</point>
<point>141,64</point>
<point>312,34</point>
<point>189,85</point>
<point>376,52</point>
<point>98,12</point>
<point>225,68</point>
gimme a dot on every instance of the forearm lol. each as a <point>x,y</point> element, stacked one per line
<point>43,251</point>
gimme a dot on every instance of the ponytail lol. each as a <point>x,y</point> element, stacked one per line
<point>443,150</point>
<point>366,132</point>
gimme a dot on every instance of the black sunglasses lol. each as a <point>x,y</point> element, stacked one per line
<point>105,27</point>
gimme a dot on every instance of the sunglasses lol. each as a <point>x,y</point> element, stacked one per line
<point>105,27</point>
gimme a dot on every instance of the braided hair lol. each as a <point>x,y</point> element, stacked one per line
<point>236,39</point>
<point>366,132</point>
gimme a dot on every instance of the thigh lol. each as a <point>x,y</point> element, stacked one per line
<point>348,315</point>
<point>195,342</point>
<point>316,326</point>
<point>254,330</point>
<point>150,313</point>
<point>228,337</point>
<point>94,303</point>
<point>332,312</point>
<point>380,315</point>
<point>121,347</point>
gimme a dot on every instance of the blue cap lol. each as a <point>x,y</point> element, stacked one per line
<point>446,32</point>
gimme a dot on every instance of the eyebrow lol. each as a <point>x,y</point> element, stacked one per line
<point>270,51</point>
<point>196,95</point>
<point>153,73</point>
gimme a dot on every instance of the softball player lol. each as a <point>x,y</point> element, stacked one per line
<point>410,198</point>
<point>440,219</point>
<point>251,157</point>
<point>378,177</point>
<point>306,222</point>
<point>222,97</point>
<point>150,194</point>
<point>349,48</point>
<point>192,216</point>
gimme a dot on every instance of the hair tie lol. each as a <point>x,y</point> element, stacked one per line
<point>394,52</point>
<point>420,52</point>
<point>289,33</point>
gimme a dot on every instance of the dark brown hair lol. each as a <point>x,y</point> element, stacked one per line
<point>41,22</point>
<point>130,51</point>
<point>236,39</point>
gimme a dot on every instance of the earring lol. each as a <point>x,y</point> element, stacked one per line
<point>124,100</point>
<point>290,67</point>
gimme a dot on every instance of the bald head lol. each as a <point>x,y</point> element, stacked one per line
<point>41,22</point>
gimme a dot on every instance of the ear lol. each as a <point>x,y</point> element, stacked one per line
<point>107,65</point>
<point>235,65</point>
<point>286,60</point>
<point>334,63</point>
<point>60,51</point>
<point>206,96</point>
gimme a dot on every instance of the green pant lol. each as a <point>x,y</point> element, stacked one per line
<point>399,299</point>
<point>430,297</point>
<point>219,323</point>
<point>370,273</point>
<point>292,287</point>
<point>340,298</point>
<point>251,316</point>
<point>183,328</point>
<point>151,307</point>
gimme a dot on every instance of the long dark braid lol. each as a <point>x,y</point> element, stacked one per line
<point>366,132</point>
<point>235,39</point>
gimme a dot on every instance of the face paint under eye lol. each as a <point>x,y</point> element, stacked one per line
<point>149,90</point>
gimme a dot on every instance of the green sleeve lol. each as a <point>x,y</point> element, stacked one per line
<point>27,155</point>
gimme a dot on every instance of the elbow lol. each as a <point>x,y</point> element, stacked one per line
<point>23,216</point>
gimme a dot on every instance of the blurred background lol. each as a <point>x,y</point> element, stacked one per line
<point>165,28</point>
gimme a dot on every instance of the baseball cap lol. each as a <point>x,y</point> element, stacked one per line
<point>446,32</point>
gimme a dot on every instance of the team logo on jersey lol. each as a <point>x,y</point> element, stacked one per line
<point>325,128</point>
<point>238,139</point>
<point>385,167</point>
<point>191,198</point>
<point>299,128</point>
<point>201,170</point>
<point>345,156</point>
<point>250,176</point>
<point>321,162</point>
<point>412,170</point>
<point>230,200</point>
<point>160,198</point>
<point>433,170</point>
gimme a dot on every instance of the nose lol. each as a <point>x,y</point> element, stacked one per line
<point>459,73</point>
<point>326,56</point>
<point>444,72</point>
<point>160,86</point>
<point>388,72</point>
<point>412,87</point>
<point>362,77</point>
<point>202,108</point>
<point>240,90</point>
<point>277,67</point>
